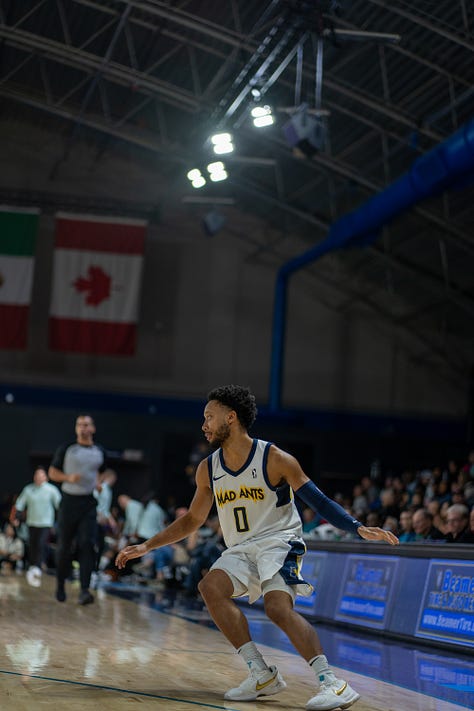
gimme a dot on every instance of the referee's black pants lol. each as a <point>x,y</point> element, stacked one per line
<point>77,523</point>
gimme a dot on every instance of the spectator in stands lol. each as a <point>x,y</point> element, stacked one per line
<point>12,549</point>
<point>451,472</point>
<point>423,526</point>
<point>469,494</point>
<point>442,492</point>
<point>133,511</point>
<point>439,522</point>
<point>469,466</point>
<point>389,505</point>
<point>457,494</point>
<point>458,525</point>
<point>208,549</point>
<point>417,499</point>
<point>152,520</point>
<point>391,524</point>
<point>407,533</point>
<point>360,503</point>
<point>371,491</point>
<point>171,562</point>
<point>373,519</point>
<point>310,519</point>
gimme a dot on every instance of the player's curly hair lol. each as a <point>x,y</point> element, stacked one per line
<point>238,398</point>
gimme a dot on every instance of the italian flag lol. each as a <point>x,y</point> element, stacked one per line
<point>18,230</point>
<point>96,284</point>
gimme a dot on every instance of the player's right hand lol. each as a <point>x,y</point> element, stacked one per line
<point>128,553</point>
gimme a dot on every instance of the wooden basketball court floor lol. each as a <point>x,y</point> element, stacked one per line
<point>135,649</point>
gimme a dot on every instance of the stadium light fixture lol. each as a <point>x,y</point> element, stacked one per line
<point>222,143</point>
<point>262,116</point>
<point>217,171</point>
<point>196,178</point>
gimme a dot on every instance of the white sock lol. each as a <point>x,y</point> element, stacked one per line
<point>320,666</point>
<point>252,657</point>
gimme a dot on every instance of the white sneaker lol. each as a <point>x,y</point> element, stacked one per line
<point>333,694</point>
<point>264,683</point>
<point>33,576</point>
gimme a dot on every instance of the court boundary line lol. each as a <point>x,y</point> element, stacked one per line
<point>115,688</point>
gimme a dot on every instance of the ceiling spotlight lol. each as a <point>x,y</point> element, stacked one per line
<point>196,177</point>
<point>222,143</point>
<point>262,116</point>
<point>217,171</point>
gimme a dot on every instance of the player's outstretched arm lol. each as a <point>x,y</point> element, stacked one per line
<point>373,533</point>
<point>180,528</point>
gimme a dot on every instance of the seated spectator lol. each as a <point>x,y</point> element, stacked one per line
<point>457,494</point>
<point>205,553</point>
<point>391,524</point>
<point>12,549</point>
<point>469,494</point>
<point>360,504</point>
<point>416,501</point>
<point>469,466</point>
<point>310,520</point>
<point>407,533</point>
<point>133,510</point>
<point>442,492</point>
<point>424,528</point>
<point>152,520</point>
<point>458,525</point>
<point>371,491</point>
<point>373,519</point>
<point>126,534</point>
<point>171,562</point>
<point>439,522</point>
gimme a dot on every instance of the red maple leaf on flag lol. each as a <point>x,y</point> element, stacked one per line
<point>97,285</point>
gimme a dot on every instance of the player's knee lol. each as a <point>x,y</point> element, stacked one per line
<point>211,586</point>
<point>206,588</point>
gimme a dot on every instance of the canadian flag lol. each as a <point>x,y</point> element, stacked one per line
<point>96,284</point>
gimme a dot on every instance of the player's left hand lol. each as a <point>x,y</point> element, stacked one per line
<point>373,533</point>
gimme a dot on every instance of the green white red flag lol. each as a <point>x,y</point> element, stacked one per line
<point>18,230</point>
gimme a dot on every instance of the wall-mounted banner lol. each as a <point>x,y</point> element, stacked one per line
<point>366,590</point>
<point>96,284</point>
<point>447,606</point>
<point>18,230</point>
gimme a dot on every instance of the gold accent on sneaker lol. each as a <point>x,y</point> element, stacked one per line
<point>342,689</point>
<point>259,686</point>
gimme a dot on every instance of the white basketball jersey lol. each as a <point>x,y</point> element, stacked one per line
<point>247,504</point>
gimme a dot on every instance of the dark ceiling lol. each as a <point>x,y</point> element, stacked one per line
<point>384,80</point>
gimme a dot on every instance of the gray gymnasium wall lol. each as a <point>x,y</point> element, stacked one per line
<point>206,308</point>
<point>206,318</point>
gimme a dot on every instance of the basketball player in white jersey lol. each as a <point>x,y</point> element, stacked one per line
<point>252,483</point>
